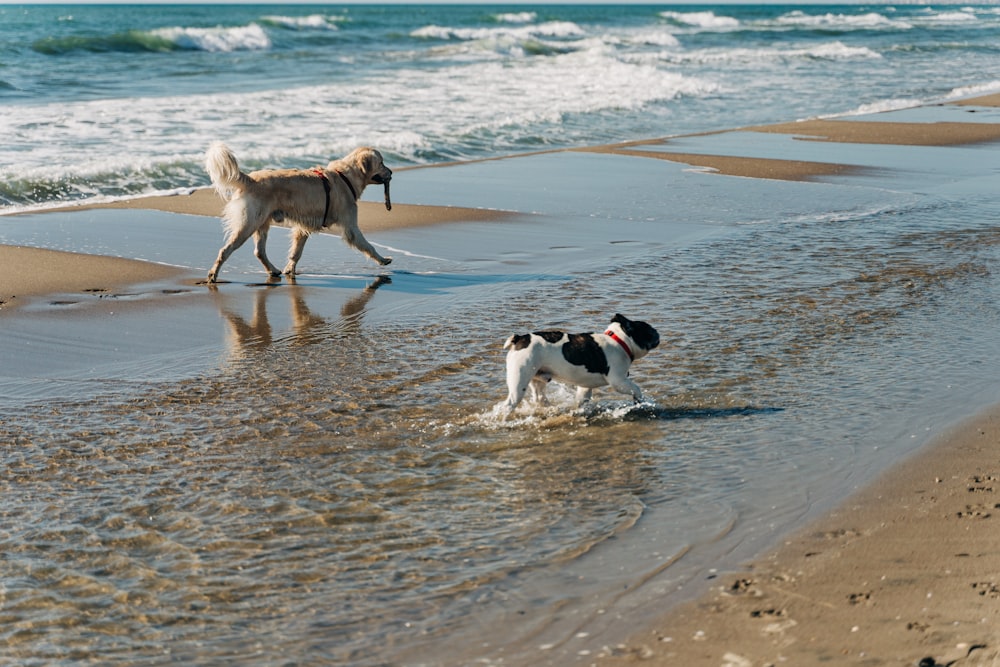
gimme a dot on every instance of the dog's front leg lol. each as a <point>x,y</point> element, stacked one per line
<point>517,386</point>
<point>260,251</point>
<point>299,238</point>
<point>355,239</point>
<point>626,386</point>
<point>583,395</point>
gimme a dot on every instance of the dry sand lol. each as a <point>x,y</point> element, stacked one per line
<point>906,572</point>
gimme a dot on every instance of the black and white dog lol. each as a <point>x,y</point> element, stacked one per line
<point>586,360</point>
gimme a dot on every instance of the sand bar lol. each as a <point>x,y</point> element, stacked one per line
<point>903,134</point>
<point>32,272</point>
<point>786,170</point>
<point>204,201</point>
<point>981,101</point>
<point>841,131</point>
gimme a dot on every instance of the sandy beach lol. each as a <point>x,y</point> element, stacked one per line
<point>33,272</point>
<point>906,572</point>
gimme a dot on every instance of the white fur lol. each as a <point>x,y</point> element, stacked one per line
<point>534,366</point>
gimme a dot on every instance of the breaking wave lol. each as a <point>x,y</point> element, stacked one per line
<point>311,22</point>
<point>557,29</point>
<point>242,38</point>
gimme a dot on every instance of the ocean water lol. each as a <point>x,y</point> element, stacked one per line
<point>114,101</point>
<point>313,473</point>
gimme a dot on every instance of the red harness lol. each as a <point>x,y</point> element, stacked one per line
<point>614,337</point>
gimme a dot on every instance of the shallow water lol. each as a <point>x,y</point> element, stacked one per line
<point>315,473</point>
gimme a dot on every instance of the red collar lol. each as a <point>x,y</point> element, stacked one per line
<point>614,337</point>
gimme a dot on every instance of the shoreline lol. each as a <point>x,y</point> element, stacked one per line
<point>902,570</point>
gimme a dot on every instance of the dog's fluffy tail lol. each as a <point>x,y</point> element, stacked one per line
<point>224,170</point>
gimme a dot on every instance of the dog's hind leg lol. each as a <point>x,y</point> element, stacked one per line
<point>538,385</point>
<point>260,250</point>
<point>241,220</point>
<point>235,242</point>
<point>299,238</point>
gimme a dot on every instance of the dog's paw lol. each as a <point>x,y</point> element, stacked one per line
<point>386,260</point>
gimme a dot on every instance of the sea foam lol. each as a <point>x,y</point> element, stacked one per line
<point>243,38</point>
<point>516,17</point>
<point>703,20</point>
<point>561,29</point>
<point>311,22</point>
<point>830,21</point>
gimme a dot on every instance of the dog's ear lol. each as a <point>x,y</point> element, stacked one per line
<point>372,161</point>
<point>625,323</point>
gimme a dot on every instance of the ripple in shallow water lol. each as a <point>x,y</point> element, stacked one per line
<point>340,483</point>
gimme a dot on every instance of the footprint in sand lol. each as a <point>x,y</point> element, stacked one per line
<point>980,511</point>
<point>860,598</point>
<point>982,483</point>
<point>987,589</point>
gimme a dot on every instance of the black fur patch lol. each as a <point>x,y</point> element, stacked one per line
<point>551,336</point>
<point>522,341</point>
<point>583,350</point>
<point>643,334</point>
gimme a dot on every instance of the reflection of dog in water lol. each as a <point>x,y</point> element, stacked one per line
<point>586,360</point>
<point>308,199</point>
<point>255,333</point>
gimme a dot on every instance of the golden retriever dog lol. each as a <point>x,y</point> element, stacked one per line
<point>307,199</point>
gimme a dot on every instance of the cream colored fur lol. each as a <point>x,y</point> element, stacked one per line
<point>294,196</point>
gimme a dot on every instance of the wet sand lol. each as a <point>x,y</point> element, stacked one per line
<point>33,272</point>
<point>204,201</point>
<point>905,571</point>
